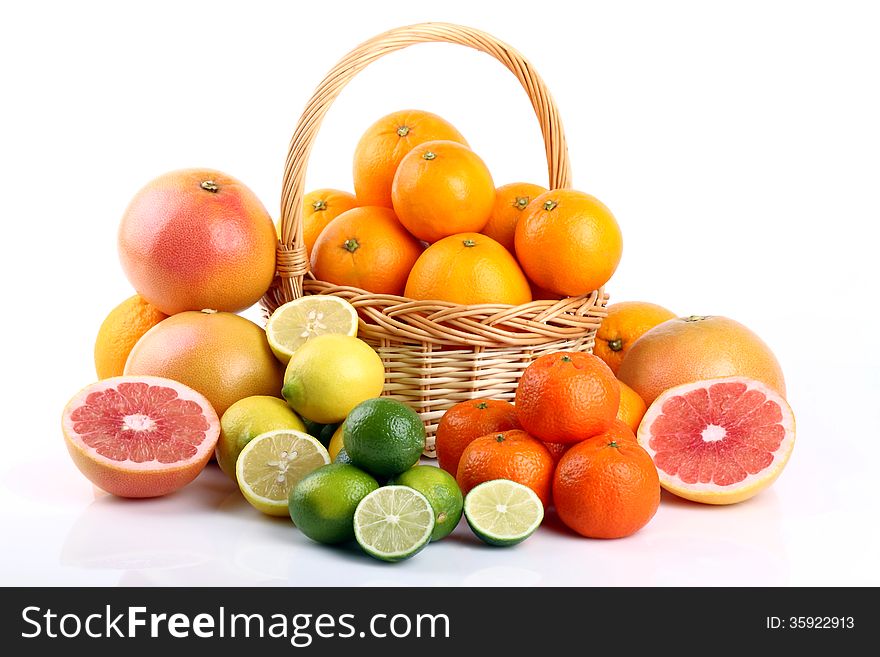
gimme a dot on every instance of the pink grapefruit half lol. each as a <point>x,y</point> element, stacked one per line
<point>718,441</point>
<point>140,436</point>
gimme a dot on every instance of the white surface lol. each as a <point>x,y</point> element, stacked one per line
<point>737,147</point>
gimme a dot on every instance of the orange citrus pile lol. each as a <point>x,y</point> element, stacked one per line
<point>476,244</point>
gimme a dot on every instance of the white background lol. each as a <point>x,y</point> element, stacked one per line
<point>738,145</point>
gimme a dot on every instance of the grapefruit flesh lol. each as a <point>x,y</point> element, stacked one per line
<point>718,441</point>
<point>140,436</point>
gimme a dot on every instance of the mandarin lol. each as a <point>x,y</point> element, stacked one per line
<point>384,145</point>
<point>632,407</point>
<point>320,207</point>
<point>442,188</point>
<point>468,268</point>
<point>120,331</point>
<point>606,486</point>
<point>366,247</point>
<point>568,242</point>
<point>467,421</point>
<point>625,323</point>
<point>566,397</point>
<point>510,201</point>
<point>513,455</point>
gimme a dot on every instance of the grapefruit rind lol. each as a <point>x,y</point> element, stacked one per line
<point>129,478</point>
<point>710,492</point>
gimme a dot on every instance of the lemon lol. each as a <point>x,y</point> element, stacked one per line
<point>273,463</point>
<point>331,374</point>
<point>300,320</point>
<point>248,418</point>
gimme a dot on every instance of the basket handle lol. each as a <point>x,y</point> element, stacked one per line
<point>292,262</point>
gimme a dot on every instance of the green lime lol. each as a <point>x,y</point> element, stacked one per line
<point>327,433</point>
<point>384,436</point>
<point>313,428</point>
<point>342,457</point>
<point>503,512</point>
<point>272,463</point>
<point>393,523</point>
<point>442,492</point>
<point>331,374</point>
<point>322,504</point>
<point>248,418</point>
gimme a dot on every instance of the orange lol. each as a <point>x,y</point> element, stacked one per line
<point>540,293</point>
<point>195,239</point>
<point>510,201</point>
<point>556,450</point>
<point>568,242</point>
<point>119,332</point>
<point>320,207</point>
<point>465,422</point>
<point>384,145</point>
<point>625,323</point>
<point>367,248</point>
<point>468,268</point>
<point>566,397</point>
<point>688,349</point>
<point>442,188</point>
<point>632,407</point>
<point>606,486</point>
<point>223,356</point>
<point>513,455</point>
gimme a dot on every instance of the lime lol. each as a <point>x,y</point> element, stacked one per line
<point>300,320</point>
<point>322,504</point>
<point>335,443</point>
<point>327,433</point>
<point>330,375</point>
<point>248,418</point>
<point>442,492</point>
<point>503,512</point>
<point>313,428</point>
<point>384,436</point>
<point>271,464</point>
<point>393,523</point>
<point>342,457</point>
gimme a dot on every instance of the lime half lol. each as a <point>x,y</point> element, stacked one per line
<point>300,320</point>
<point>503,512</point>
<point>273,463</point>
<point>393,523</point>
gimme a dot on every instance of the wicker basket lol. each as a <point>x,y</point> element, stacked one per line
<point>436,353</point>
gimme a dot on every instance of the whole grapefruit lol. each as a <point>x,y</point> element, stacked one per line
<point>197,238</point>
<point>694,348</point>
<point>223,356</point>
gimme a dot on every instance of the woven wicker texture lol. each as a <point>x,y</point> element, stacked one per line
<point>437,353</point>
